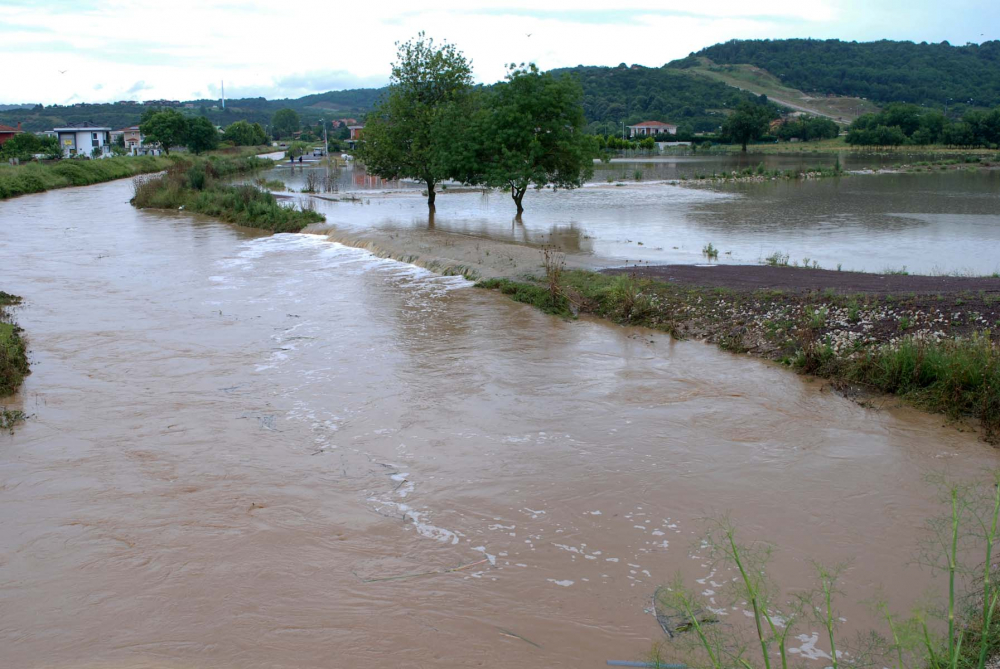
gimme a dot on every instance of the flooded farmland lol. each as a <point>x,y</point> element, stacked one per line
<point>940,223</point>
<point>279,451</point>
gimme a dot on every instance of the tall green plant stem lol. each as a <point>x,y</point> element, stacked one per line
<point>952,567</point>
<point>989,598</point>
<point>753,596</point>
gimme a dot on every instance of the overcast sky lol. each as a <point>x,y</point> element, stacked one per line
<point>66,51</point>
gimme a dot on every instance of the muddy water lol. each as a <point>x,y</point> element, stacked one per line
<point>234,437</point>
<point>928,223</point>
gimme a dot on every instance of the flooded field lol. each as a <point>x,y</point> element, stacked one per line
<point>940,223</point>
<point>249,451</point>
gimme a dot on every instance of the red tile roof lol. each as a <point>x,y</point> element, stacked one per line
<point>7,128</point>
<point>651,123</point>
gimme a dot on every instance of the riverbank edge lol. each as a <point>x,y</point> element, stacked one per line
<point>14,365</point>
<point>938,352</point>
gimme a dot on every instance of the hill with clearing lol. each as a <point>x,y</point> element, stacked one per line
<point>882,72</point>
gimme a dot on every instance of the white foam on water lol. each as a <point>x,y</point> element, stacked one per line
<point>564,584</point>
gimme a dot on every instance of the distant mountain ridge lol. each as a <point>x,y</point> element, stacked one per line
<point>884,71</point>
<point>696,91</point>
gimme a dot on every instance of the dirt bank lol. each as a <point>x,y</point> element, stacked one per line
<point>798,280</point>
<point>452,253</point>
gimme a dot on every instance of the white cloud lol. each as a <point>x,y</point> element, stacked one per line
<point>183,48</point>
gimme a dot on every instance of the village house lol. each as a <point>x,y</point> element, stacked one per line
<point>7,132</point>
<point>131,137</point>
<point>84,139</point>
<point>355,137</point>
<point>650,128</point>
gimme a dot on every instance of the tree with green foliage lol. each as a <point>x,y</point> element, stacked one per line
<point>25,145</point>
<point>411,131</point>
<point>747,123</point>
<point>166,127</point>
<point>285,123</point>
<point>201,135</point>
<point>242,133</point>
<point>531,133</point>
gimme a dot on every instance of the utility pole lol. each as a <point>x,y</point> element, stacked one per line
<point>223,93</point>
<point>326,139</point>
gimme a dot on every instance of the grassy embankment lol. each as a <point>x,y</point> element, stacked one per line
<point>13,359</point>
<point>38,177</point>
<point>195,185</point>
<point>938,353</point>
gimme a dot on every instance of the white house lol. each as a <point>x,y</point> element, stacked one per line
<point>650,128</point>
<point>84,139</point>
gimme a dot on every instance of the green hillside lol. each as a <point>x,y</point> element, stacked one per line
<point>636,93</point>
<point>884,71</point>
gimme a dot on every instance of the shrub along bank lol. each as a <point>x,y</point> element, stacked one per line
<point>38,177</point>
<point>939,352</point>
<point>13,353</point>
<point>196,186</point>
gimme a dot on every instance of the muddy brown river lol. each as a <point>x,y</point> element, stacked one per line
<point>237,443</point>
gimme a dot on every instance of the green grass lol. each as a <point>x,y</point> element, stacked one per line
<point>536,295</point>
<point>195,186</point>
<point>13,352</point>
<point>38,177</point>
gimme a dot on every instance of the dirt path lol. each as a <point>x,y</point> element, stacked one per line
<point>757,277</point>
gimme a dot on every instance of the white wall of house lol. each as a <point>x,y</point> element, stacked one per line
<point>83,141</point>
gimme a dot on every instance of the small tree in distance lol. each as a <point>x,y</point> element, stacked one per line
<point>201,135</point>
<point>166,127</point>
<point>749,121</point>
<point>285,123</point>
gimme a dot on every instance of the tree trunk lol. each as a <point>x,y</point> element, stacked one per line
<point>517,194</point>
<point>430,194</point>
<point>744,146</point>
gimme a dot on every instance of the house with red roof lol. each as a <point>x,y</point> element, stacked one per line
<point>7,132</point>
<point>650,128</point>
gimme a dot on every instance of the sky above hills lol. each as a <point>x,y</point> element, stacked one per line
<point>67,51</point>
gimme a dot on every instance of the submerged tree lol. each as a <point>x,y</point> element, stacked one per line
<point>747,123</point>
<point>531,133</point>
<point>413,132</point>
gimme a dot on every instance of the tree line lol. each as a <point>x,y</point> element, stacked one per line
<point>434,125</point>
<point>900,124</point>
<point>885,71</point>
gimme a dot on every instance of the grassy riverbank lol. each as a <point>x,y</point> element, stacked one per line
<point>937,351</point>
<point>38,177</point>
<point>196,186</point>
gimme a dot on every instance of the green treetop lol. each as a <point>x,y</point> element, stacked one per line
<point>531,133</point>
<point>285,123</point>
<point>411,131</point>
<point>166,127</point>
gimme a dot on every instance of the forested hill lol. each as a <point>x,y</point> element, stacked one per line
<point>884,71</point>
<point>634,94</point>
